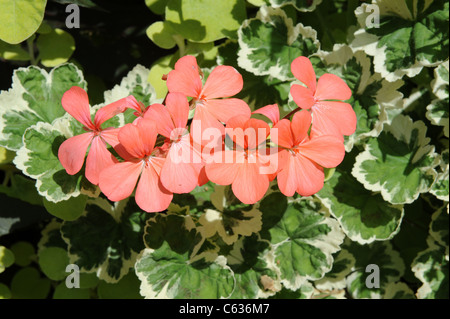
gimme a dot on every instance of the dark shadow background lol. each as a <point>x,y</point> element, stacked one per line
<point>111,40</point>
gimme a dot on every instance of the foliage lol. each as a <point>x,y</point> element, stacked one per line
<point>372,194</point>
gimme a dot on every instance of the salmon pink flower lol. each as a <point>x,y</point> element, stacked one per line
<point>72,152</point>
<point>243,166</point>
<point>210,109</point>
<point>119,180</point>
<point>301,158</point>
<point>183,168</point>
<point>330,115</point>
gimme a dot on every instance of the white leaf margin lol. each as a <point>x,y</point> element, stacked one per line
<point>401,128</point>
<point>282,3</point>
<point>397,263</point>
<point>12,100</point>
<point>264,15</point>
<point>419,269</point>
<point>116,210</point>
<point>368,42</point>
<point>23,155</point>
<point>328,244</point>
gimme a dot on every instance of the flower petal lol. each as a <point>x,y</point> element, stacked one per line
<point>225,109</point>
<point>161,116</point>
<point>111,110</point>
<point>72,152</point>
<point>303,70</point>
<point>98,159</point>
<point>256,132</point>
<point>302,96</point>
<point>301,122</point>
<point>288,177</point>
<point>331,118</point>
<point>272,112</point>
<point>326,150</point>
<point>151,195</point>
<point>311,176</point>
<point>206,128</point>
<point>178,107</point>
<point>224,169</point>
<point>332,87</point>
<point>178,175</point>
<point>118,181</point>
<point>76,102</point>
<point>185,78</point>
<point>224,81</point>
<point>110,135</point>
<point>284,134</point>
<point>130,139</point>
<point>138,139</point>
<point>250,185</point>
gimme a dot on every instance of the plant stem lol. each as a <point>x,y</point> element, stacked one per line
<point>179,40</point>
<point>31,51</point>
<point>291,113</point>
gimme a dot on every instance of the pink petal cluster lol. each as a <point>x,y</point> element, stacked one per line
<point>165,152</point>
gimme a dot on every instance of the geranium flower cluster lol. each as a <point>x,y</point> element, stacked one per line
<point>165,151</point>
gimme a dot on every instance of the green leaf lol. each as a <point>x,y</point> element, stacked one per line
<point>13,52</point>
<point>62,292</point>
<point>5,293</point>
<point>69,209</point>
<point>6,258</point>
<point>22,188</point>
<point>437,111</point>
<point>398,290</point>
<point>432,269</point>
<point>391,268</point>
<point>28,284</point>
<point>250,260</point>
<point>159,68</point>
<point>399,162</point>
<point>404,41</point>
<point>301,5</point>
<point>53,262</point>
<point>125,288</point>
<point>157,6</point>
<point>303,242</point>
<point>106,238</point>
<point>166,268</point>
<point>35,97</point>
<point>270,42</point>
<point>51,236</point>
<point>364,216</point>
<point>440,187</point>
<point>439,227</point>
<point>161,34</point>
<point>23,253</point>
<point>20,19</point>
<point>230,224</point>
<point>38,159</point>
<point>335,279</point>
<point>6,156</point>
<point>166,273</point>
<point>82,3</point>
<point>205,20</point>
<point>55,47</point>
